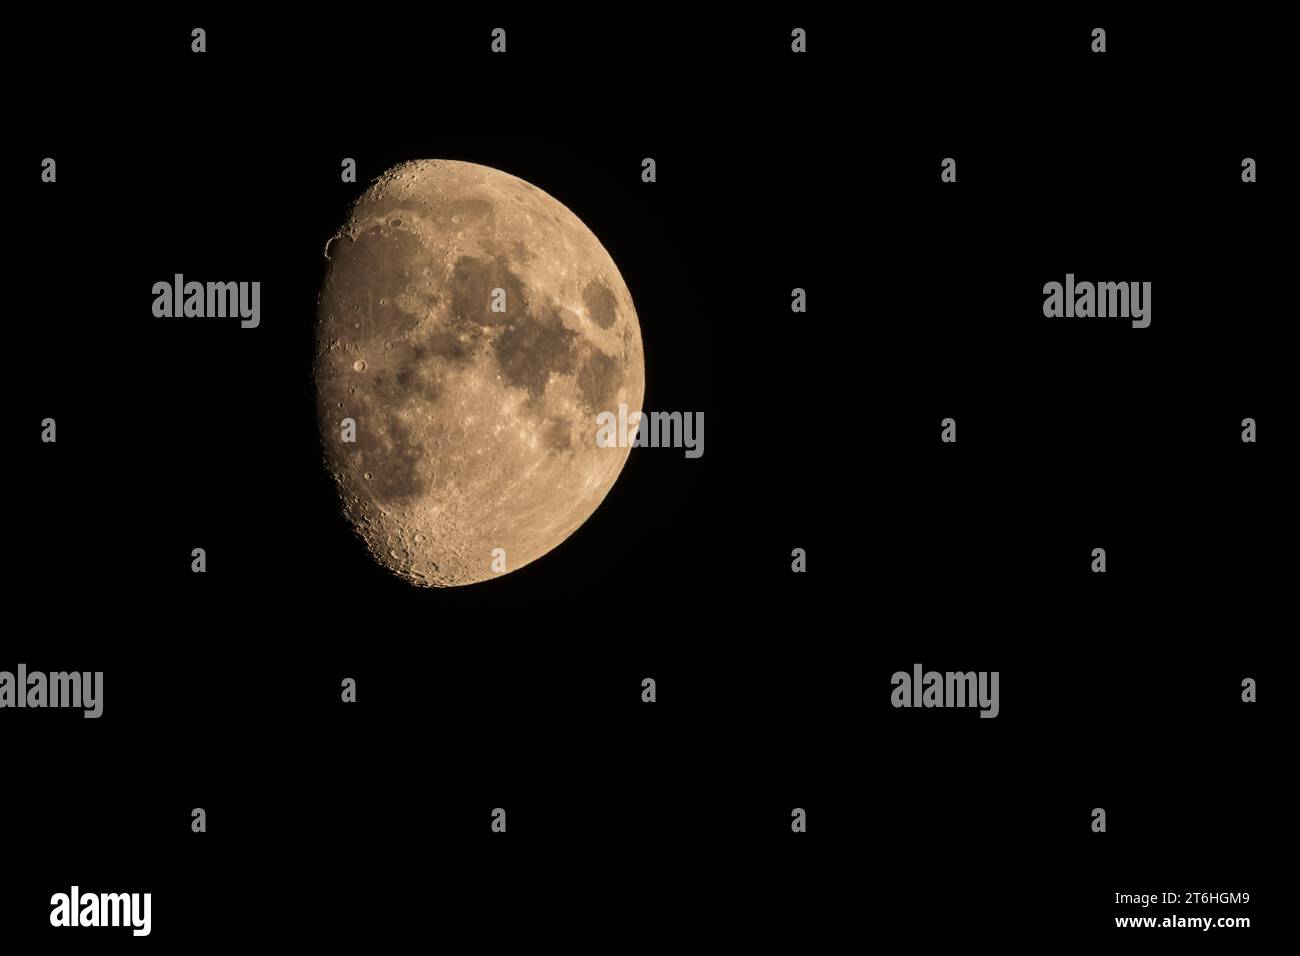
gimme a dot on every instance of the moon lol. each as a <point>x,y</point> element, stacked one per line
<point>470,328</point>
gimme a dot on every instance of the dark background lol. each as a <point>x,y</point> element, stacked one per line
<point>628,823</point>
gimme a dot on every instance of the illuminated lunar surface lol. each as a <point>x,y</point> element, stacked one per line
<point>475,429</point>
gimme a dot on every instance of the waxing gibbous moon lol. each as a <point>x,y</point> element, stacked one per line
<point>472,328</point>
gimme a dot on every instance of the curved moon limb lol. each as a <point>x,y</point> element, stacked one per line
<point>470,328</point>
